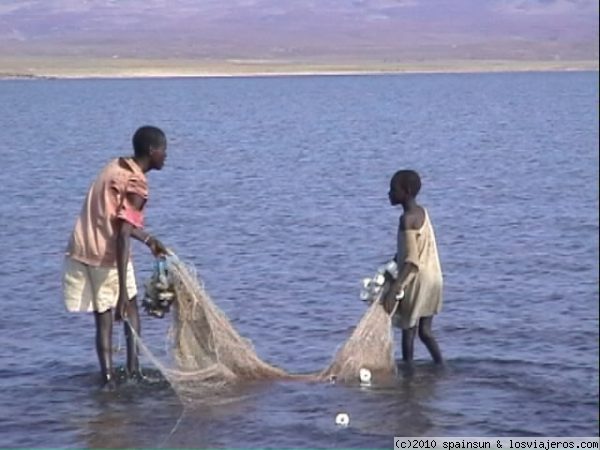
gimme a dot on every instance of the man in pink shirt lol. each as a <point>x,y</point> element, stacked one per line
<point>98,275</point>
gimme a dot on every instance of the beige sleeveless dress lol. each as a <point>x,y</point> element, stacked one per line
<point>423,295</point>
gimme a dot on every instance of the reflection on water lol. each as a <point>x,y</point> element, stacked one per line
<point>137,412</point>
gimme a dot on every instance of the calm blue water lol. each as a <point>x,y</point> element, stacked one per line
<point>275,188</point>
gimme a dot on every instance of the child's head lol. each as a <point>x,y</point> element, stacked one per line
<point>405,184</point>
<point>150,142</point>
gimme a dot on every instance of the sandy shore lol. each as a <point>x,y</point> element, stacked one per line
<point>147,68</point>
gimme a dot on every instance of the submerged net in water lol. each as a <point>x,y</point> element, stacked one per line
<point>371,346</point>
<point>209,354</point>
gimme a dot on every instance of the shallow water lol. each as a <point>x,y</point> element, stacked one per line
<point>275,188</point>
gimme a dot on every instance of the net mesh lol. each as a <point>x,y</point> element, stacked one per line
<point>371,346</point>
<point>209,355</point>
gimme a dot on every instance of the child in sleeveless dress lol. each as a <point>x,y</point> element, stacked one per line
<point>419,270</point>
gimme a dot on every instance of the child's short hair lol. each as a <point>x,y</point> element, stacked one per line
<point>407,180</point>
<point>148,137</point>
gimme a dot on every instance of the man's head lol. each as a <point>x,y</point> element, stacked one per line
<point>150,144</point>
<point>405,184</point>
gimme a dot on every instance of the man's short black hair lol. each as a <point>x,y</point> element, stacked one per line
<point>146,138</point>
<point>407,180</point>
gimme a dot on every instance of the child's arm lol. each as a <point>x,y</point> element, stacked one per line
<point>406,275</point>
<point>408,268</point>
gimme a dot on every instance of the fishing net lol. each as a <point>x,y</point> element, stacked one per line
<point>209,355</point>
<point>207,352</point>
<point>371,346</point>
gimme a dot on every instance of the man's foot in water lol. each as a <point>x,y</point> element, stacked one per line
<point>135,376</point>
<point>109,384</point>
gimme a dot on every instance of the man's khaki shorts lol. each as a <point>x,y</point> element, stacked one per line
<point>88,288</point>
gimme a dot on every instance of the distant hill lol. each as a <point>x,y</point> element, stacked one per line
<point>315,30</point>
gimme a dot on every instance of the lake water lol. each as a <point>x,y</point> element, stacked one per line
<point>276,190</point>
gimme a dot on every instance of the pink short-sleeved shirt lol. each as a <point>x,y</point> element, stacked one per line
<point>94,239</point>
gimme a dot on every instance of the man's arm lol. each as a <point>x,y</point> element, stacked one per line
<point>123,234</point>
<point>140,235</point>
<point>156,247</point>
<point>125,230</point>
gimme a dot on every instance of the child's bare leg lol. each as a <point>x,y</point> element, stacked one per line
<point>104,325</point>
<point>133,320</point>
<point>408,340</point>
<point>428,339</point>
